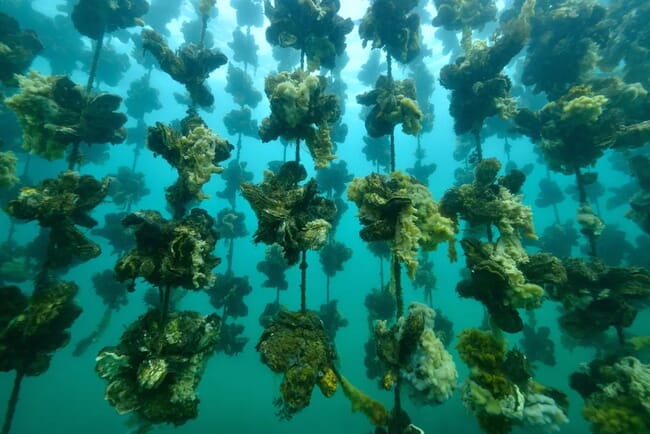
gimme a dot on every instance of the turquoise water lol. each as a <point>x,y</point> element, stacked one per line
<point>237,392</point>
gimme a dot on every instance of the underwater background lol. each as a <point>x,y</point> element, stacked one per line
<point>236,391</point>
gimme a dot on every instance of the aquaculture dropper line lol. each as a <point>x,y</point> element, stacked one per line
<point>303,253</point>
<point>248,35</point>
<point>231,241</point>
<point>477,142</point>
<point>11,231</point>
<point>13,400</point>
<point>479,158</point>
<point>330,240</point>
<point>140,126</point>
<point>381,273</point>
<point>136,151</point>
<point>327,288</point>
<point>302,68</point>
<point>238,149</point>
<point>389,73</point>
<point>427,290</point>
<point>137,146</point>
<point>556,212</point>
<point>582,198</point>
<point>204,28</point>
<point>165,293</point>
<point>96,333</point>
<point>229,255</point>
<point>93,66</point>
<point>18,379</point>
<point>12,222</point>
<point>592,238</point>
<point>239,146</point>
<point>75,155</point>
<point>396,269</point>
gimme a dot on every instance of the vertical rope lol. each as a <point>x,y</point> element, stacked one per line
<point>165,305</point>
<point>479,147</point>
<point>620,334</point>
<point>99,330</point>
<point>93,66</point>
<point>138,146</point>
<point>238,154</point>
<point>392,151</point>
<point>395,269</point>
<point>75,155</point>
<point>488,230</point>
<point>303,263</point>
<point>13,400</point>
<point>11,231</point>
<point>556,213</point>
<point>224,314</point>
<point>141,126</point>
<point>231,250</point>
<point>582,191</point>
<point>397,410</point>
<point>582,197</point>
<point>397,280</point>
<point>327,289</point>
<point>248,34</point>
<point>204,28</point>
<point>389,65</point>
<point>479,157</point>
<point>389,73</point>
<point>303,282</point>
<point>28,160</point>
<point>399,311</point>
